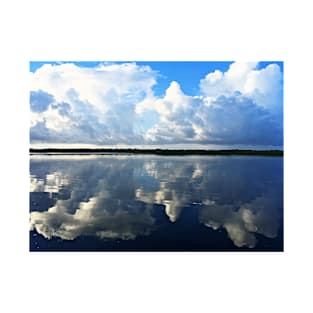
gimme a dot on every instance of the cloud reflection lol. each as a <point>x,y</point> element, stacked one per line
<point>92,219</point>
<point>259,216</point>
<point>100,204</point>
<point>115,198</point>
<point>52,183</point>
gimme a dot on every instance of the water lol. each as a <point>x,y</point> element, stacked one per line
<point>156,203</point>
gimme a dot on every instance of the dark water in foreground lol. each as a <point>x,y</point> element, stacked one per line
<point>156,203</point>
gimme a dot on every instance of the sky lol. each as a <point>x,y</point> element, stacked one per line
<point>157,104</point>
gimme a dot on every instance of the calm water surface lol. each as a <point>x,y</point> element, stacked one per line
<point>156,203</point>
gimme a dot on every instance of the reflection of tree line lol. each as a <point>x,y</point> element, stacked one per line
<point>113,198</point>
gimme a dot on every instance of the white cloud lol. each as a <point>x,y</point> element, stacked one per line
<point>92,105</point>
<point>115,104</point>
<point>263,86</point>
<point>225,120</point>
<point>94,85</point>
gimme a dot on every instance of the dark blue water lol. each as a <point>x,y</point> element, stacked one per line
<point>156,203</point>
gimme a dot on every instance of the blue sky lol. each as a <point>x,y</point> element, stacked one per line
<point>233,104</point>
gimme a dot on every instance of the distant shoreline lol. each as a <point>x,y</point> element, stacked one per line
<point>157,151</point>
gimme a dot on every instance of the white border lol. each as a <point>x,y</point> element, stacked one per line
<point>155,30</point>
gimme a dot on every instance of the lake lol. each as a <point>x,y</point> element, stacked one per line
<point>156,203</point>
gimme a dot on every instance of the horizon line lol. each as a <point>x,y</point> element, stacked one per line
<point>272,152</point>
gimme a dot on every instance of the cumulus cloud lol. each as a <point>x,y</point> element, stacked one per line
<point>263,86</point>
<point>88,105</point>
<point>225,120</point>
<point>240,106</point>
<point>115,103</point>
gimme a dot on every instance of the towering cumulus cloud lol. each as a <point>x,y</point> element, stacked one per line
<point>117,104</point>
